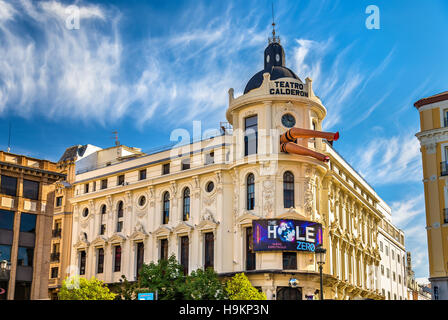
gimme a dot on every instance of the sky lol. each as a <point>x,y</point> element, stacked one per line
<point>145,68</point>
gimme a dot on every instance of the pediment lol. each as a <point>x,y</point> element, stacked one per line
<point>246,218</point>
<point>163,231</point>
<point>293,214</point>
<point>81,244</point>
<point>138,235</point>
<point>207,225</point>
<point>183,227</point>
<point>117,238</point>
<point>99,241</point>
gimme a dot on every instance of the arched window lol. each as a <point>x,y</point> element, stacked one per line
<point>166,208</point>
<point>250,191</point>
<point>186,208</point>
<point>288,189</point>
<point>120,216</point>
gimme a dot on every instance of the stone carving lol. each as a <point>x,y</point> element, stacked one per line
<point>139,227</point>
<point>208,215</point>
<point>268,198</point>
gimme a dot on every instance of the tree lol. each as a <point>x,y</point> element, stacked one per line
<point>240,288</point>
<point>204,285</point>
<point>166,277</point>
<point>82,289</point>
<point>126,290</point>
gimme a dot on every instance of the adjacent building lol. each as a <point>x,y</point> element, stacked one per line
<point>199,200</point>
<point>433,137</point>
<point>26,213</point>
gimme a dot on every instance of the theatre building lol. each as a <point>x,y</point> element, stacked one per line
<point>257,198</point>
<point>26,214</point>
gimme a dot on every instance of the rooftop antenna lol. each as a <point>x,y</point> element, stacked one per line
<point>117,143</point>
<point>274,38</point>
<point>9,138</point>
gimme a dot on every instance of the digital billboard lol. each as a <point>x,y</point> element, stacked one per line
<point>284,234</point>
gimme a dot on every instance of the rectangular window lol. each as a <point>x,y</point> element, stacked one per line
<point>289,260</point>
<point>103,229</point>
<point>117,259</point>
<point>28,222</point>
<point>388,273</point>
<point>5,253</point>
<point>381,246</point>
<point>86,188</point>
<point>166,168</point>
<point>250,254</point>
<point>104,184</point>
<point>210,158</point>
<point>209,250</point>
<point>54,272</point>
<point>119,226</point>
<point>382,270</point>
<point>6,219</point>
<point>445,117</point>
<point>445,215</point>
<point>184,253</point>
<point>140,257</point>
<point>387,251</point>
<point>120,180</point>
<point>30,189</point>
<point>8,186</point>
<point>25,257</point>
<point>100,262</point>
<point>186,164</point>
<point>94,186</point>
<point>436,293</point>
<point>251,135</point>
<point>59,201</point>
<point>164,249</point>
<point>142,174</point>
<point>82,263</point>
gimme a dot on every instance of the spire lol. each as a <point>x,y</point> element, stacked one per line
<point>274,39</point>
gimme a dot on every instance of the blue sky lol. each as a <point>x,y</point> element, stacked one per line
<point>145,68</point>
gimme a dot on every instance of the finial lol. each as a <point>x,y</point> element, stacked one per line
<point>274,39</point>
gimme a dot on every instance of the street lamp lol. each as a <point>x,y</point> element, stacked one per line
<point>320,258</point>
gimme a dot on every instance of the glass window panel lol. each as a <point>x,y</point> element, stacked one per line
<point>30,189</point>
<point>8,186</point>
<point>5,253</point>
<point>6,219</point>
<point>25,256</point>
<point>28,222</point>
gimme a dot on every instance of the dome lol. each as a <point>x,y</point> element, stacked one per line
<point>274,64</point>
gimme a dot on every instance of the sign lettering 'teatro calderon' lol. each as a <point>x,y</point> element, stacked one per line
<point>290,87</point>
<point>286,235</point>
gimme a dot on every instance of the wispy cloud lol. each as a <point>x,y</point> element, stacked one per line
<point>388,160</point>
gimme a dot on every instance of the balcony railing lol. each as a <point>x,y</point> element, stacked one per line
<point>444,168</point>
<point>56,233</point>
<point>54,257</point>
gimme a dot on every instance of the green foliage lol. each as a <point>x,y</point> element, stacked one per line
<point>126,290</point>
<point>240,288</point>
<point>82,289</point>
<point>204,285</point>
<point>166,277</point>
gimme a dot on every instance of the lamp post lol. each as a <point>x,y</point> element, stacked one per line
<point>320,257</point>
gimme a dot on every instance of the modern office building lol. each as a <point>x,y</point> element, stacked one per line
<point>433,138</point>
<point>216,202</point>
<point>26,214</point>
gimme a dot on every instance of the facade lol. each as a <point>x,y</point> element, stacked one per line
<point>74,158</point>
<point>26,213</point>
<point>198,201</point>
<point>433,137</point>
<point>393,260</point>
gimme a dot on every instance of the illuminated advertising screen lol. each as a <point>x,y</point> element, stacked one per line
<point>284,234</point>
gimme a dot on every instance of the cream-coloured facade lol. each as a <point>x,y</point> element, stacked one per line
<point>433,138</point>
<point>134,210</point>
